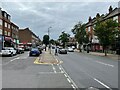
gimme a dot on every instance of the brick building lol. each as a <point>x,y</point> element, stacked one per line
<point>8,31</point>
<point>14,34</point>
<point>27,38</point>
<point>93,40</point>
<point>1,30</point>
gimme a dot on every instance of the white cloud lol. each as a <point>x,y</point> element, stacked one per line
<point>40,15</point>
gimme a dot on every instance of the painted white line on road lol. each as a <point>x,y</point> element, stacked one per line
<point>68,80</point>
<point>73,86</point>
<point>68,77</point>
<point>14,59</point>
<point>49,73</point>
<point>54,68</point>
<point>11,61</point>
<point>105,64</point>
<point>102,84</point>
<point>65,75</point>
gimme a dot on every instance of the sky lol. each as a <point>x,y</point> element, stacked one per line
<point>60,16</point>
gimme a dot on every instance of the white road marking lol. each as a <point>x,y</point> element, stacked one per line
<point>14,59</point>
<point>73,86</point>
<point>105,64</point>
<point>102,84</point>
<point>49,73</point>
<point>68,80</point>
<point>54,68</point>
<point>68,77</point>
<point>65,75</point>
<point>11,60</point>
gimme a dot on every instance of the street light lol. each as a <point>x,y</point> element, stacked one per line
<point>49,38</point>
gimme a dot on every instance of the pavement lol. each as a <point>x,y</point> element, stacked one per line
<point>111,56</point>
<point>47,58</point>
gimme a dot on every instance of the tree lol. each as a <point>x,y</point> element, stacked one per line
<point>106,32</point>
<point>46,39</point>
<point>64,38</point>
<point>80,34</point>
<point>52,41</point>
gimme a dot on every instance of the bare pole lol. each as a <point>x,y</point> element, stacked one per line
<point>49,38</point>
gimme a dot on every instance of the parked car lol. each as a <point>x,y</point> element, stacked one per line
<point>62,51</point>
<point>70,49</point>
<point>34,52</point>
<point>20,50</point>
<point>8,51</point>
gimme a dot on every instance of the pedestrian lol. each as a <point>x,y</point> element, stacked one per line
<point>56,51</point>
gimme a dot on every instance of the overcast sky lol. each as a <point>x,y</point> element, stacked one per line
<point>61,16</point>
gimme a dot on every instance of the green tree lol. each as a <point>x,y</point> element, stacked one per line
<point>52,41</point>
<point>46,39</point>
<point>80,34</point>
<point>64,38</point>
<point>106,32</point>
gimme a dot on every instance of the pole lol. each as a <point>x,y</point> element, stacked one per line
<point>49,38</point>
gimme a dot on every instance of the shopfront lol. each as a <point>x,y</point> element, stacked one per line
<point>8,42</point>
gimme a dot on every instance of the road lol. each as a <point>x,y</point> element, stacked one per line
<point>20,72</point>
<point>91,71</point>
<point>77,70</point>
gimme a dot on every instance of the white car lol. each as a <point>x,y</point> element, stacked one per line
<point>70,49</point>
<point>9,51</point>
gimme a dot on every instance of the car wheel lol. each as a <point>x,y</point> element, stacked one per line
<point>11,54</point>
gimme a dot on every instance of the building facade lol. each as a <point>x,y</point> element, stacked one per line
<point>8,31</point>
<point>93,40</point>
<point>27,38</point>
<point>14,34</point>
<point>1,30</point>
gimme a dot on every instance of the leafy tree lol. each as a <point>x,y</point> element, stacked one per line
<point>46,39</point>
<point>64,38</point>
<point>80,34</point>
<point>106,32</point>
<point>52,41</point>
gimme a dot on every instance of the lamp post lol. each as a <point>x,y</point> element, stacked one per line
<point>49,39</point>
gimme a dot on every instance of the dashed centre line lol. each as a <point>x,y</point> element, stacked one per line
<point>105,64</point>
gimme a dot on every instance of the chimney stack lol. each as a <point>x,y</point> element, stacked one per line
<point>110,9</point>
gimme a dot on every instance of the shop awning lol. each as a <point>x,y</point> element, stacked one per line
<point>9,39</point>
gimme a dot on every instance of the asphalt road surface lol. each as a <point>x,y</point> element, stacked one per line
<point>78,70</point>
<point>91,71</point>
<point>20,72</point>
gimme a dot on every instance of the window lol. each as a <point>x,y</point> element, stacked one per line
<point>8,33</point>
<point>9,26</point>
<point>1,31</point>
<point>115,18</point>
<point>0,21</point>
<point>5,33</point>
<point>5,24</point>
<point>88,29</point>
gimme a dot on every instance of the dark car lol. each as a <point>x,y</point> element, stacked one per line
<point>34,52</point>
<point>62,51</point>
